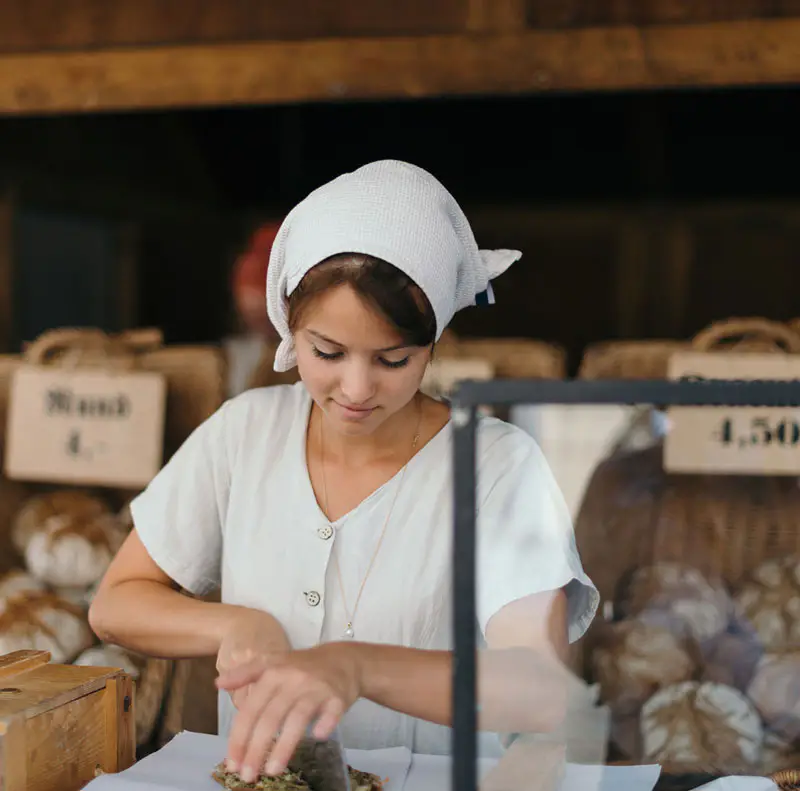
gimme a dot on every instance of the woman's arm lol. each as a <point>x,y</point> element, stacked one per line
<point>522,685</point>
<point>518,689</point>
<point>139,607</point>
<point>409,680</point>
<point>522,679</point>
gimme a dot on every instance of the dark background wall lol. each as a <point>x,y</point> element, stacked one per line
<point>639,215</point>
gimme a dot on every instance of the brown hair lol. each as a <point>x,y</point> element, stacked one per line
<point>391,292</point>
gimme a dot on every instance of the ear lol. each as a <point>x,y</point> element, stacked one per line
<point>497,261</point>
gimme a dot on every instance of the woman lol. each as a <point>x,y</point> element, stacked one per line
<point>324,508</point>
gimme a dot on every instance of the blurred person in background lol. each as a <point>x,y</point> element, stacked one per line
<point>251,354</point>
<point>249,281</point>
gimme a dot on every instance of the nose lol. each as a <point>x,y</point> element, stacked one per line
<point>357,384</point>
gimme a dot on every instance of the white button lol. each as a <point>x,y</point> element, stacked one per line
<point>325,532</point>
<point>312,598</point>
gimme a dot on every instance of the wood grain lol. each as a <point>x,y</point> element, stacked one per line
<point>13,771</point>
<point>496,15</point>
<point>120,724</point>
<point>39,25</point>
<point>60,724</point>
<point>583,13</point>
<point>21,662</point>
<point>67,743</point>
<point>715,54</point>
<point>51,686</point>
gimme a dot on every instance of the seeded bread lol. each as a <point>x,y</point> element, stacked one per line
<point>291,781</point>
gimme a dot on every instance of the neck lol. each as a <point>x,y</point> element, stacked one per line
<point>392,437</point>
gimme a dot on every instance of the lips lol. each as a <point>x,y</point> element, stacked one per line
<point>355,412</point>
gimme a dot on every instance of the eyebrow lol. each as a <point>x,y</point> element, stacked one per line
<point>336,343</point>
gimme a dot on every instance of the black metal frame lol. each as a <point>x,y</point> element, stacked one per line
<point>465,400</point>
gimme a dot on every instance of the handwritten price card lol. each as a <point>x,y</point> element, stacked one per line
<point>85,427</point>
<point>733,440</point>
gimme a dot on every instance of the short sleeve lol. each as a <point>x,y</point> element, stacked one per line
<point>179,516</point>
<point>526,542</point>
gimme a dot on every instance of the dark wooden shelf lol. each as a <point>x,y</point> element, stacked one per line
<point>621,57</point>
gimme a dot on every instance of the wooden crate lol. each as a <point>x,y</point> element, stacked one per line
<point>61,725</point>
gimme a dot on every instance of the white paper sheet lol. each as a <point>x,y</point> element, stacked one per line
<point>740,784</point>
<point>432,773</point>
<point>186,763</point>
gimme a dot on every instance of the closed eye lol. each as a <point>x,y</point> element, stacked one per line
<point>325,355</point>
<point>338,355</point>
<point>394,363</point>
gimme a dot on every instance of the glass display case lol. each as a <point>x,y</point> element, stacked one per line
<point>693,546</point>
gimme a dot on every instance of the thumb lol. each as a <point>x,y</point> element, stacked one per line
<point>234,658</point>
<point>240,675</point>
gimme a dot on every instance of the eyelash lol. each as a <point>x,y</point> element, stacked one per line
<point>397,364</point>
<point>337,355</point>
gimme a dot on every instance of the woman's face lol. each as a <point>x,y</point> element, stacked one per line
<point>354,363</point>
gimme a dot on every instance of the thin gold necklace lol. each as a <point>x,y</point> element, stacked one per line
<point>349,632</point>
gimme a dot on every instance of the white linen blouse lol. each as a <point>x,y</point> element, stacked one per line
<point>234,507</point>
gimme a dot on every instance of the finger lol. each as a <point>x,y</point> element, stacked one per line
<point>239,696</point>
<point>245,720</point>
<point>330,715</point>
<point>265,729</point>
<point>293,730</point>
<point>236,677</point>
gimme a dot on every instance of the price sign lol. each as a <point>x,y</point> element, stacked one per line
<point>733,440</point>
<point>85,427</point>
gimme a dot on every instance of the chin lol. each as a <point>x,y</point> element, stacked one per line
<point>349,430</point>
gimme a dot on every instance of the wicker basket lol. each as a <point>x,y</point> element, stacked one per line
<point>511,358</point>
<point>634,514</point>
<point>649,359</point>
<point>195,377</point>
<point>787,780</point>
<point>628,359</point>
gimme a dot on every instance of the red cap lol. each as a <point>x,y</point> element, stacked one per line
<point>250,280</point>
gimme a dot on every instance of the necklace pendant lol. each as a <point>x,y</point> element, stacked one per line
<point>348,632</point>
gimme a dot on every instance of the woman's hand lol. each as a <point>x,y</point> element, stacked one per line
<point>287,694</point>
<point>252,636</point>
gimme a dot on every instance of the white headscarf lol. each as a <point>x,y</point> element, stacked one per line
<point>393,211</point>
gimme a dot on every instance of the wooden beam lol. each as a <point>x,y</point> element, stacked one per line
<point>60,25</point>
<point>579,13</point>
<point>715,54</point>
